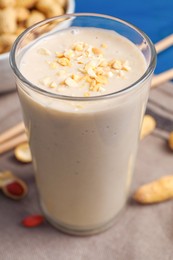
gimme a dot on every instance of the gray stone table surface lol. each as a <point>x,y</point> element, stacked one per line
<point>140,233</point>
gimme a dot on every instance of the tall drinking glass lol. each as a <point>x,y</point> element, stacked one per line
<point>83,158</point>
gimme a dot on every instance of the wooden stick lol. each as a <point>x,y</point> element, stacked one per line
<point>161,78</point>
<point>8,145</point>
<point>164,43</point>
<point>15,130</point>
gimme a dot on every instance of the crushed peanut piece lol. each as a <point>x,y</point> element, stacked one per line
<point>64,61</point>
<point>44,51</point>
<point>60,72</point>
<point>76,77</point>
<point>53,65</point>
<point>126,66</point>
<point>101,79</point>
<point>69,54</point>
<point>59,54</point>
<point>170,141</point>
<point>103,63</point>
<point>70,82</point>
<point>102,89</point>
<point>94,69</point>
<point>120,73</point>
<point>117,65</point>
<point>110,74</point>
<point>91,73</point>
<point>104,45</point>
<point>79,46</point>
<point>96,51</point>
<point>45,81</point>
<point>53,84</point>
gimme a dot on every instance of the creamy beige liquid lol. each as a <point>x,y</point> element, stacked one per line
<point>83,151</point>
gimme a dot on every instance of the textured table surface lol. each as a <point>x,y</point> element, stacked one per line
<point>140,233</point>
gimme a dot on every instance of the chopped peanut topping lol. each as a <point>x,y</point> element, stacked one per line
<point>60,72</point>
<point>45,81</point>
<point>117,65</point>
<point>96,51</point>
<point>79,46</point>
<point>53,65</point>
<point>104,45</point>
<point>103,64</point>
<point>102,79</point>
<point>126,66</point>
<point>64,61</point>
<point>59,54</point>
<point>120,73</point>
<point>53,84</point>
<point>69,54</point>
<point>110,74</point>
<point>70,82</point>
<point>76,77</point>
<point>93,70</point>
<point>44,51</point>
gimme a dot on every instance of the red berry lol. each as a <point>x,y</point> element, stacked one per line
<point>33,221</point>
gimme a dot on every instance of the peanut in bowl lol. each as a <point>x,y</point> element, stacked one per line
<point>15,17</point>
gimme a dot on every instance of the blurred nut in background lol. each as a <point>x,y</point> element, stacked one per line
<point>8,22</point>
<point>170,141</point>
<point>6,40</point>
<point>17,15</point>
<point>26,3</point>
<point>7,3</point>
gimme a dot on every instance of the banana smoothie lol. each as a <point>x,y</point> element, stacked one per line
<point>83,137</point>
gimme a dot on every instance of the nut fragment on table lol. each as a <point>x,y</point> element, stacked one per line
<point>148,126</point>
<point>17,15</point>
<point>170,140</point>
<point>156,191</point>
<point>15,189</point>
<point>5,176</point>
<point>12,186</point>
<point>22,153</point>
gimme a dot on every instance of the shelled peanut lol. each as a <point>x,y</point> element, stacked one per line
<point>156,191</point>
<point>12,186</point>
<point>170,140</point>
<point>17,15</point>
<point>148,126</point>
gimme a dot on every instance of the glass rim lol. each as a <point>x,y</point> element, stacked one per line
<point>146,74</point>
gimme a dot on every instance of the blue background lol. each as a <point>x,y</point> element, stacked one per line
<point>154,17</point>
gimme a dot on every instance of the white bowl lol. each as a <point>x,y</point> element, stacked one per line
<point>7,82</point>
